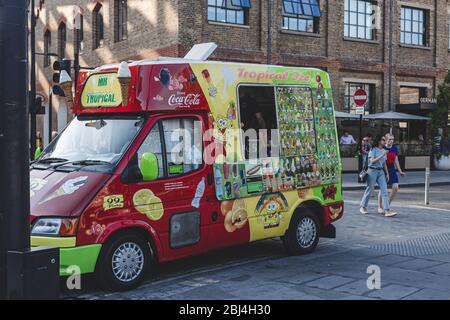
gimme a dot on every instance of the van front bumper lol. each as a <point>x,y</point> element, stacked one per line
<point>72,259</point>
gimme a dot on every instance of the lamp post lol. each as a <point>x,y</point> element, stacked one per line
<point>14,158</point>
<point>25,273</point>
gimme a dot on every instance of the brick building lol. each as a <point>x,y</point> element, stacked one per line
<point>348,38</point>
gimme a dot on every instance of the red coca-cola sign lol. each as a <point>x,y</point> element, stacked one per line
<point>190,99</point>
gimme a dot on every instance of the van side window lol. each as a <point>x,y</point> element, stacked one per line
<point>257,116</point>
<point>152,143</point>
<point>183,141</point>
<point>177,144</point>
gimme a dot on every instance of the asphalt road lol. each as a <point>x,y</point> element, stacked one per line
<point>410,253</point>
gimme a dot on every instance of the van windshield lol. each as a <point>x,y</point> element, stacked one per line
<point>93,140</point>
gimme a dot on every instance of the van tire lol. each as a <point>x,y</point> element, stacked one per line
<point>302,236</point>
<point>135,252</point>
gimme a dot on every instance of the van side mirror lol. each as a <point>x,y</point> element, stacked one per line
<point>149,166</point>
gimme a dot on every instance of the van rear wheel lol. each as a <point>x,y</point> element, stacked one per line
<point>302,236</point>
<point>123,262</point>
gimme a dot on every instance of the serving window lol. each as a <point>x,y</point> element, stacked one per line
<point>296,126</point>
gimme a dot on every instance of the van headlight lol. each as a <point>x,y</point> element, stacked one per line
<point>63,227</point>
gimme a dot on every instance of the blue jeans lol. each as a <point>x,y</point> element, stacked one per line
<point>378,177</point>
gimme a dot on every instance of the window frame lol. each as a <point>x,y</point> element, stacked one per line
<point>371,91</point>
<point>424,13</point>
<point>78,34</point>
<point>120,20</point>
<point>285,16</point>
<point>98,27</point>
<point>348,13</point>
<point>226,11</point>
<point>164,155</point>
<point>62,40</point>
<point>47,47</point>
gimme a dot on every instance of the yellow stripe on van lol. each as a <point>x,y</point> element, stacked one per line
<point>53,241</point>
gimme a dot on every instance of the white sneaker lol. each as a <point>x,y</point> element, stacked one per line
<point>380,211</point>
<point>363,210</point>
<point>390,213</point>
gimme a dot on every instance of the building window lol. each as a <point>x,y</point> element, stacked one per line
<point>78,35</point>
<point>359,19</point>
<point>412,95</point>
<point>349,103</point>
<point>449,33</point>
<point>61,40</point>
<point>120,20</point>
<point>47,46</point>
<point>97,23</point>
<point>229,11</point>
<point>413,26</point>
<point>301,15</point>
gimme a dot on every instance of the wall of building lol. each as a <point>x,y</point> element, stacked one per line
<point>152,31</point>
<point>171,27</point>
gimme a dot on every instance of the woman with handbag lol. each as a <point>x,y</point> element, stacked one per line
<point>377,173</point>
<point>393,165</point>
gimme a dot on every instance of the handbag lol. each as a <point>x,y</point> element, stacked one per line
<point>363,173</point>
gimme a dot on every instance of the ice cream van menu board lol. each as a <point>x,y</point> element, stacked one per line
<point>308,155</point>
<point>295,121</point>
<point>327,153</point>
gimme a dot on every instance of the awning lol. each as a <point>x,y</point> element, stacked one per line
<point>415,107</point>
<point>238,3</point>
<point>346,115</point>
<point>302,7</point>
<point>392,115</point>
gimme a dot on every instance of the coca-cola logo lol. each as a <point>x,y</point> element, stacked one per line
<point>190,99</point>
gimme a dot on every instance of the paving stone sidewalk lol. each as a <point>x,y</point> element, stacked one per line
<point>411,179</point>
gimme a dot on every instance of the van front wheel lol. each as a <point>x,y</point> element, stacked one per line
<point>302,236</point>
<point>123,262</point>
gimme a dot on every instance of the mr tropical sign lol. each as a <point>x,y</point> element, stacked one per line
<point>101,90</point>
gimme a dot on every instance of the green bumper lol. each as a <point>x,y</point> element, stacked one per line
<point>83,258</point>
<point>72,259</point>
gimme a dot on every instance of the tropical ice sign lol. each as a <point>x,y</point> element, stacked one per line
<point>102,90</point>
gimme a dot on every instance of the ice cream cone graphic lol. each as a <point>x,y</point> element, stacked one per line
<point>124,77</point>
<point>67,188</point>
<point>65,82</point>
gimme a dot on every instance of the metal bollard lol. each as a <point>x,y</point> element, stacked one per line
<point>427,185</point>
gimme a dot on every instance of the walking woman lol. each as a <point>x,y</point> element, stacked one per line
<point>377,173</point>
<point>393,165</point>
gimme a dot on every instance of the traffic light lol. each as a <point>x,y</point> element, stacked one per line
<point>64,64</point>
<point>38,107</point>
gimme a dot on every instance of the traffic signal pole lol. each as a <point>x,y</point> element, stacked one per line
<point>25,273</point>
<point>31,100</point>
<point>14,155</point>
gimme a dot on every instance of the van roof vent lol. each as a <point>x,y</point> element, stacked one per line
<point>201,51</point>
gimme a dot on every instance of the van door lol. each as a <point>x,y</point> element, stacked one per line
<point>179,203</point>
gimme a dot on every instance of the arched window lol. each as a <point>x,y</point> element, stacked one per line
<point>47,47</point>
<point>78,35</point>
<point>61,40</point>
<point>120,20</point>
<point>97,23</point>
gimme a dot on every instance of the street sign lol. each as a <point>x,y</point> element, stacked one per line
<point>359,110</point>
<point>360,97</point>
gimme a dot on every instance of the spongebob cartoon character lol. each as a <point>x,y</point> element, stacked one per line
<point>221,126</point>
<point>271,208</point>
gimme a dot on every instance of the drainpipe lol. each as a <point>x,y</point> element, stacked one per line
<point>269,31</point>
<point>391,4</point>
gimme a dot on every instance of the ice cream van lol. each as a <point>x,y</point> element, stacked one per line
<point>168,158</point>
